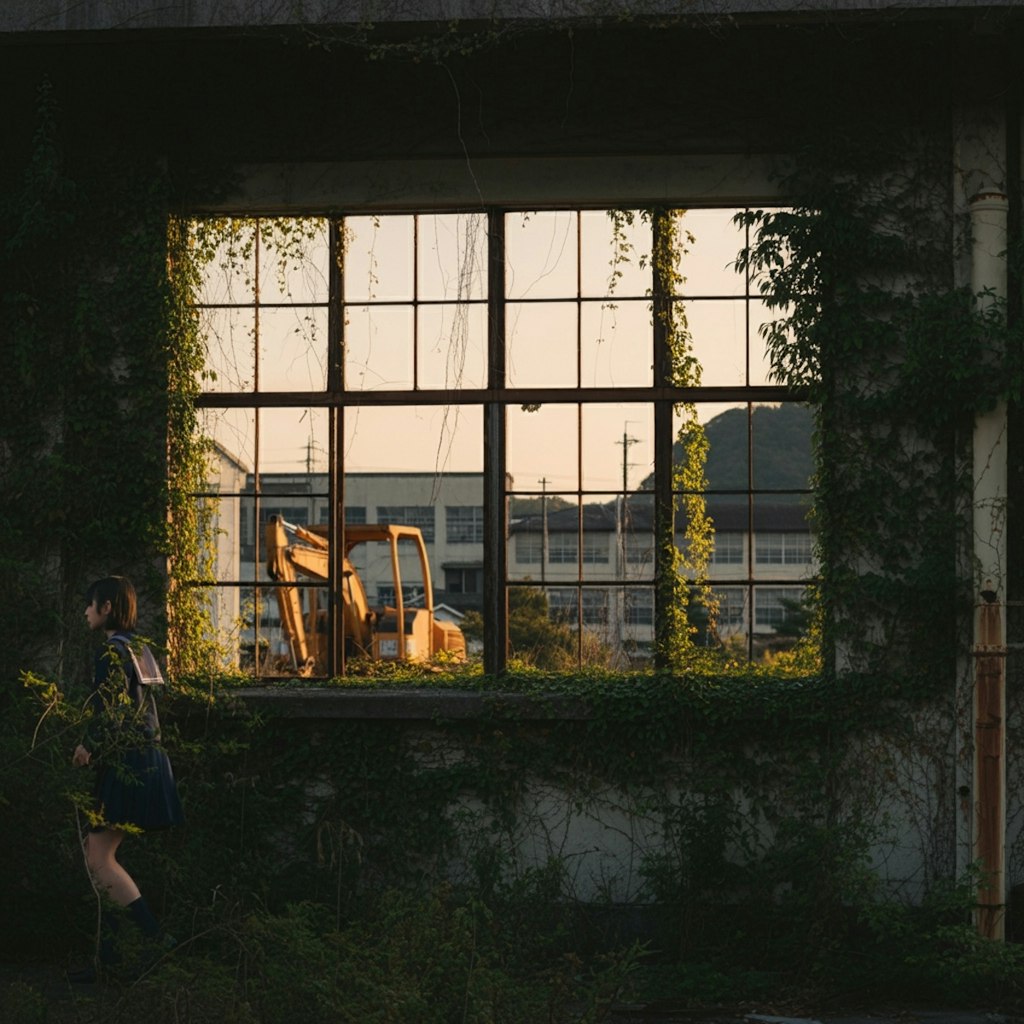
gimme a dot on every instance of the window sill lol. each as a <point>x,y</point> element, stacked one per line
<point>411,704</point>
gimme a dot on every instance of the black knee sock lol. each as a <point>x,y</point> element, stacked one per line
<point>110,924</point>
<point>143,918</point>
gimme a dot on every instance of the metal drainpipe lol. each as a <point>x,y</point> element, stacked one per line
<point>988,274</point>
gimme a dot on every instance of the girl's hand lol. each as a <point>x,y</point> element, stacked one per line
<point>80,757</point>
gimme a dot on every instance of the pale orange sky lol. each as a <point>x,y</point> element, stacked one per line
<point>542,264</point>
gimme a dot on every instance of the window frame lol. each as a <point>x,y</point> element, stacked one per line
<point>495,398</point>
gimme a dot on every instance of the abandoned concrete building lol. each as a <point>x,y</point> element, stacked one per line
<point>521,237</point>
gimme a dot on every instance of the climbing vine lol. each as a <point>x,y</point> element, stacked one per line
<point>896,359</point>
<point>770,783</point>
<point>681,582</point>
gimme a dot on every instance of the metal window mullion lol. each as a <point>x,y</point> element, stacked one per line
<point>664,500</point>
<point>336,447</point>
<point>495,510</point>
<point>750,455</point>
<point>258,541</point>
<point>415,302</point>
<point>579,446</point>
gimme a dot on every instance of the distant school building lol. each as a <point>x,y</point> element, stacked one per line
<point>594,561</point>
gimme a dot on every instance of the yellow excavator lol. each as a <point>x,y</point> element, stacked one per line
<point>369,632</point>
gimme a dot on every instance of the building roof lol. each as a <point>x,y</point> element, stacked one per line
<point>18,16</point>
<point>729,514</point>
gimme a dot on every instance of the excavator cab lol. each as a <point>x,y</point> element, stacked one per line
<point>402,631</point>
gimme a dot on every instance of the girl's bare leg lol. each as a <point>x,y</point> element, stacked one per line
<point>109,876</point>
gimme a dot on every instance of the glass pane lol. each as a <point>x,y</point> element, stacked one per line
<point>229,336</point>
<point>293,349</point>
<point>635,613</point>
<point>617,344</point>
<point>416,467</point>
<point>719,332</point>
<point>781,617</point>
<point>560,537</point>
<point>542,447</point>
<point>267,649</point>
<point>618,447</point>
<point>541,344</point>
<point>708,262</point>
<point>222,519</point>
<point>561,627</point>
<point>544,535</point>
<point>378,261</point>
<point>293,442</point>
<point>636,541</point>
<point>452,258</point>
<point>526,544</point>
<point>540,253</point>
<point>538,635</point>
<point>760,360</point>
<point>229,275</point>
<point>294,260</point>
<point>783,438</point>
<point>729,621</point>
<point>233,432</point>
<point>452,346</point>
<point>730,543</point>
<point>222,610</point>
<point>783,542</point>
<point>601,643</point>
<point>429,443</point>
<point>726,430</point>
<point>615,255</point>
<point>378,348</point>
<point>601,547</point>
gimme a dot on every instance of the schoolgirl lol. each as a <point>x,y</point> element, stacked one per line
<point>134,784</point>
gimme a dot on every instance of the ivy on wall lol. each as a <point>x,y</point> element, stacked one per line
<point>97,324</point>
<point>897,360</point>
<point>102,353</point>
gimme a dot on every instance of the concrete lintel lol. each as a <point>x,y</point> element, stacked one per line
<point>533,182</point>
<point>104,15</point>
<point>409,704</point>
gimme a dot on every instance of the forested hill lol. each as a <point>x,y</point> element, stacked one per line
<point>781,448</point>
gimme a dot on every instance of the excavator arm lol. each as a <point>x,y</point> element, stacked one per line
<point>308,556</point>
<point>281,566</point>
<point>401,632</point>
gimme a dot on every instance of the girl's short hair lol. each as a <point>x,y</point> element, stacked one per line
<point>120,592</point>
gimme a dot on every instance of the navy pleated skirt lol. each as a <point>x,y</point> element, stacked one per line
<point>139,790</point>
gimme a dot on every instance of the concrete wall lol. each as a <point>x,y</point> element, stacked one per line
<point>284,122</point>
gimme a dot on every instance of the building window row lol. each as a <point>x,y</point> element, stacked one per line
<point>464,524</point>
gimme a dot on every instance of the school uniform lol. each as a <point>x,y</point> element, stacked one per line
<point>134,780</point>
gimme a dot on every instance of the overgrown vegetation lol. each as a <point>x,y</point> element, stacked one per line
<point>427,871</point>
<point>415,871</point>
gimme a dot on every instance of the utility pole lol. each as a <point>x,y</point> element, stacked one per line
<point>621,525</point>
<point>625,442</point>
<point>543,525</point>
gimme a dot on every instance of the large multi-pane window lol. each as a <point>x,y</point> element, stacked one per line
<point>563,548</point>
<point>465,524</point>
<point>420,516</point>
<point>783,549</point>
<point>728,549</point>
<point>529,549</point>
<point>503,381</point>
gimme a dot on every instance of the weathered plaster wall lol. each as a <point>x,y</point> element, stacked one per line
<point>292,120</point>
